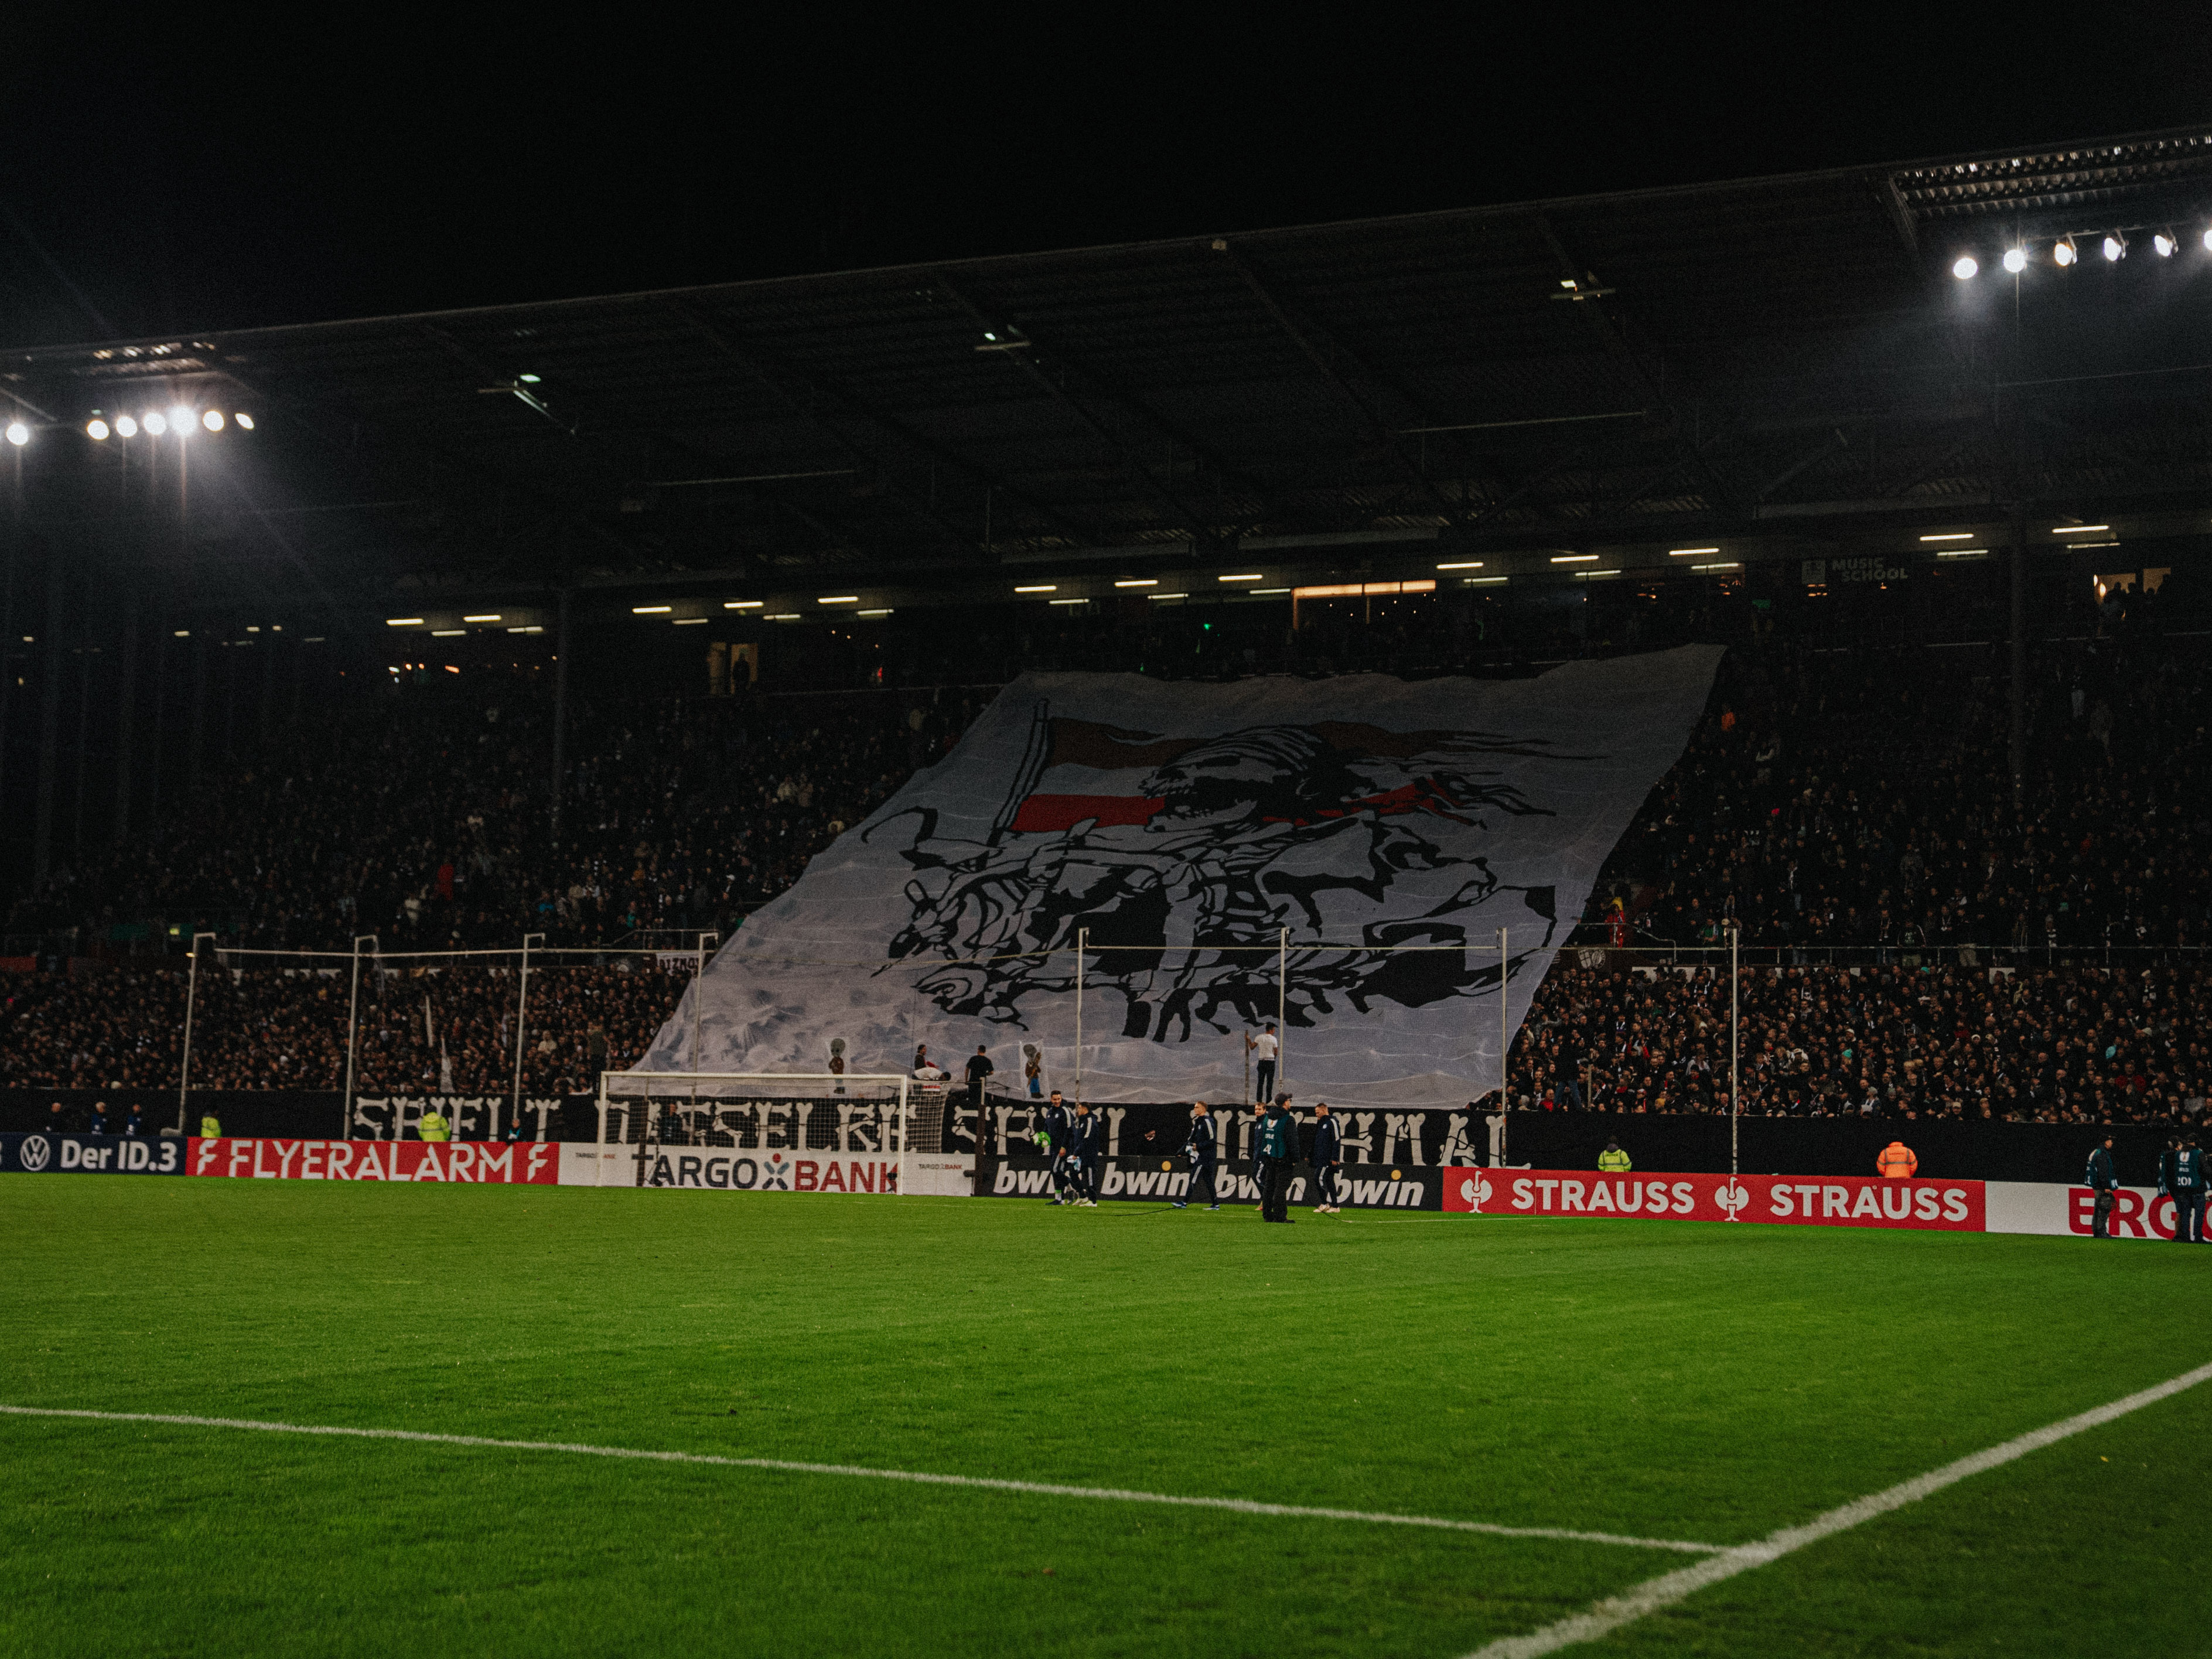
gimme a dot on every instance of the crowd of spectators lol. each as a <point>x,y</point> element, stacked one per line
<point>426,821</point>
<point>441,1029</point>
<point>2075,1045</point>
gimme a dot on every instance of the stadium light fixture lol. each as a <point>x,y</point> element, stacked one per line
<point>1707,567</point>
<point>181,418</point>
<point>1462,564</point>
<point>1040,587</point>
<point>689,622</point>
<point>2078,529</point>
<point>403,621</point>
<point>527,380</point>
<point>1262,593</point>
<point>1689,552</point>
<point>745,604</point>
<point>154,422</point>
<point>212,420</point>
<point>786,616</point>
<point>1965,267</point>
<point>1951,536</point>
<point>1485,581</point>
<point>490,616</point>
<point>125,427</point>
<point>245,421</point>
<point>1962,552</point>
<point>2115,247</point>
<point>1578,558</point>
<point>18,433</point>
<point>96,429</point>
<point>886,610</point>
<point>2208,241</point>
<point>840,598</point>
<point>2063,252</point>
<point>1049,602</point>
<point>1255,577</point>
<point>1138,582</point>
<point>447,633</point>
<point>1167,596</point>
<point>2015,260</point>
<point>184,633</point>
<point>651,610</point>
<point>2163,244</point>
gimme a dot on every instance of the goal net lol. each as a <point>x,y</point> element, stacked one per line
<point>798,1131</point>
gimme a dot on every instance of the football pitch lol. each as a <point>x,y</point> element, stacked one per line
<point>1619,1408</point>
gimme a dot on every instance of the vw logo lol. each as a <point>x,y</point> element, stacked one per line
<point>1475,1190</point>
<point>1731,1198</point>
<point>34,1152</point>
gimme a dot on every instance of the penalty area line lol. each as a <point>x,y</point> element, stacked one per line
<point>1601,1618</point>
<point>1034,1488</point>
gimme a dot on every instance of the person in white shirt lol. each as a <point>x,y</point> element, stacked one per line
<point>1264,1048</point>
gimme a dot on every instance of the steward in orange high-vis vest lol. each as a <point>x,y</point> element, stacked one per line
<point>1897,1162</point>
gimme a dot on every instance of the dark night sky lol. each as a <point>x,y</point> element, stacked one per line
<point>194,179</point>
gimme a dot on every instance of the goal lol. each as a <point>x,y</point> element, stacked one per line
<point>784,1130</point>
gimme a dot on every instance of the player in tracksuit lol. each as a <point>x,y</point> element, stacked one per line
<point>2189,1193</point>
<point>1052,1136</point>
<point>2105,1184</point>
<point>1086,1144</point>
<point>1328,1158</point>
<point>1202,1149</point>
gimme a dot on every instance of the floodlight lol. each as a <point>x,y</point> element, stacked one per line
<point>18,433</point>
<point>2015,260</point>
<point>2208,241</point>
<point>2115,247</point>
<point>125,427</point>
<point>96,430</point>
<point>1964,266</point>
<point>212,420</point>
<point>2163,244</point>
<point>2063,252</point>
<point>181,418</point>
<point>245,421</point>
<point>527,380</point>
<point>156,424</point>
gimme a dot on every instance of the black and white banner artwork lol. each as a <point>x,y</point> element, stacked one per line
<point>1392,829</point>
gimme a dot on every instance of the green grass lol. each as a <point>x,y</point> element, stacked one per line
<point>1662,1379</point>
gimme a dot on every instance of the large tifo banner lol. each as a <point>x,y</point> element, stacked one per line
<point>1392,828</point>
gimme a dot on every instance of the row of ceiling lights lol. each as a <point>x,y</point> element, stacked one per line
<point>154,422</point>
<point>2064,253</point>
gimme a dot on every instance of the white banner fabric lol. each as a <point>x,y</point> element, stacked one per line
<point>1392,828</point>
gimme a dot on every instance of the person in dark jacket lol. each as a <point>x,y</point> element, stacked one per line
<point>2188,1192</point>
<point>1052,1139</point>
<point>1328,1159</point>
<point>136,1123</point>
<point>1277,1143</point>
<point>1202,1149</point>
<point>2101,1181</point>
<point>99,1117</point>
<point>1086,1144</point>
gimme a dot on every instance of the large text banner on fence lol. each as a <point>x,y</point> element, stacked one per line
<point>1392,828</point>
<point>1951,1206</point>
<point>536,1163</point>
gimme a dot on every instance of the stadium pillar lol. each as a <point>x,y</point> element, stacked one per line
<point>1736,1041</point>
<point>2019,745</point>
<point>560,710</point>
<point>522,1026</point>
<point>352,1028</point>
<point>126,692</point>
<point>50,718</point>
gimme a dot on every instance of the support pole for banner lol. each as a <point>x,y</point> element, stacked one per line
<point>192,992</point>
<point>353,1028</point>
<point>1735,1040</point>
<point>698,973</point>
<point>1282,1011</point>
<point>1082,943</point>
<point>521,1028</point>
<point>1504,1047</point>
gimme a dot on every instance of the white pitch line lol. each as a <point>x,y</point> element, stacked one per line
<point>1236,1505</point>
<point>1610,1614</point>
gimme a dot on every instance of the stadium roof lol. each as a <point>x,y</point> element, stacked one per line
<point>1653,364</point>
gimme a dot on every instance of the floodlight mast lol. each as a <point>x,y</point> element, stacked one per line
<point>353,1027</point>
<point>1736,1042</point>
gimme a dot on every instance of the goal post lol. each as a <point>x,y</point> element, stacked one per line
<point>876,1114</point>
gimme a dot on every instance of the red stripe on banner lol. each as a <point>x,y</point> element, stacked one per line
<point>1850,1201</point>
<point>1046,812</point>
